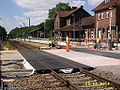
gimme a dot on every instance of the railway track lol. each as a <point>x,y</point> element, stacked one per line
<point>82,80</point>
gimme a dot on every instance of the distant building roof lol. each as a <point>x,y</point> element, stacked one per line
<point>105,5</point>
<point>39,29</point>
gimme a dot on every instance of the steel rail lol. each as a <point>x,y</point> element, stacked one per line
<point>66,82</point>
<point>69,84</point>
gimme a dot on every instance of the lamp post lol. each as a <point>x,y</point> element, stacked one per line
<point>44,30</point>
<point>73,26</point>
<point>110,30</point>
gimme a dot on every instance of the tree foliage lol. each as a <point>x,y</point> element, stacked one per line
<point>48,24</point>
<point>3,33</point>
<point>21,32</point>
<point>58,7</point>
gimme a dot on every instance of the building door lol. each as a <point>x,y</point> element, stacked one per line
<point>99,34</point>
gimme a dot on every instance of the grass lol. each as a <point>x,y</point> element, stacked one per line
<point>7,44</point>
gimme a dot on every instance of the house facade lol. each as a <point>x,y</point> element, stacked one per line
<point>38,33</point>
<point>78,24</point>
<point>107,20</point>
<point>69,23</point>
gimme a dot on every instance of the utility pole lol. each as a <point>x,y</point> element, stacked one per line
<point>110,30</point>
<point>29,26</point>
<point>44,30</point>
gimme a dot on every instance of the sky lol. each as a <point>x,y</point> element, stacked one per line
<point>14,13</point>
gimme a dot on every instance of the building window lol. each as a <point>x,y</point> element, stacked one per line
<point>107,14</point>
<point>68,22</point>
<point>86,34</point>
<point>106,1</point>
<point>98,16</point>
<point>92,34</point>
<point>57,25</point>
<point>111,14</point>
<point>102,15</point>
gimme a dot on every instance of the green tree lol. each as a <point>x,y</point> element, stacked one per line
<point>50,21</point>
<point>58,7</point>
<point>3,33</point>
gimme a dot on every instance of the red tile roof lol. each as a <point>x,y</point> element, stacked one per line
<point>87,21</point>
<point>65,13</point>
<point>62,13</point>
<point>104,5</point>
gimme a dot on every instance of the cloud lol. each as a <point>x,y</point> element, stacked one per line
<point>33,21</point>
<point>44,4</point>
<point>38,9</point>
<point>6,23</point>
<point>36,13</point>
<point>19,18</point>
<point>94,2</point>
<point>36,4</point>
<point>77,3</point>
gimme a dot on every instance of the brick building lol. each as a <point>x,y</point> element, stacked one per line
<point>78,24</point>
<point>69,23</point>
<point>107,20</point>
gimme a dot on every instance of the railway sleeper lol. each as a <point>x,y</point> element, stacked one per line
<point>73,76</point>
<point>80,79</point>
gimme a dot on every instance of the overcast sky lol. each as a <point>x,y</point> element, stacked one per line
<point>14,13</point>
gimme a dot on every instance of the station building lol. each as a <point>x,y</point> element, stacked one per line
<point>107,20</point>
<point>78,24</point>
<point>68,23</point>
<point>39,33</point>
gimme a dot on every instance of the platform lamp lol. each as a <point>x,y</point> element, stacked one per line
<point>110,29</point>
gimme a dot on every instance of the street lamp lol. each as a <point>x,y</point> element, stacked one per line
<point>73,26</point>
<point>110,30</point>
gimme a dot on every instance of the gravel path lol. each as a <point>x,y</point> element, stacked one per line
<point>108,75</point>
<point>37,82</point>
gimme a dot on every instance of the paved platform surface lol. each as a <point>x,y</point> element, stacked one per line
<point>10,55</point>
<point>41,60</point>
<point>98,52</point>
<point>97,61</point>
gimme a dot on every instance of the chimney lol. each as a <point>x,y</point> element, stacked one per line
<point>81,6</point>
<point>73,7</point>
